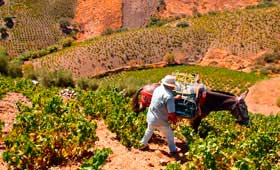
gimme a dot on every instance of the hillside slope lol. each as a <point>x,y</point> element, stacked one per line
<point>244,33</point>
<point>36,23</point>
<point>94,16</point>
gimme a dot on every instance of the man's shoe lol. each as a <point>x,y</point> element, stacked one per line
<point>143,147</point>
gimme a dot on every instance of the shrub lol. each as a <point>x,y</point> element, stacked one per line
<point>169,58</point>
<point>183,24</point>
<point>156,22</point>
<point>9,21</point>
<point>67,42</point>
<point>63,23</point>
<point>3,61</point>
<point>161,5</point>
<point>52,48</point>
<point>45,77</point>
<point>93,85</point>
<point>213,13</point>
<point>264,71</point>
<point>108,31</point>
<point>273,57</point>
<point>28,71</point>
<point>14,69</point>
<point>83,83</point>
<point>63,78</point>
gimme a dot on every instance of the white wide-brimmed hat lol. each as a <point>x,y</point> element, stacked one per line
<point>169,80</point>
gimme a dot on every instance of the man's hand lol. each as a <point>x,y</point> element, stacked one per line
<point>178,97</point>
<point>172,117</point>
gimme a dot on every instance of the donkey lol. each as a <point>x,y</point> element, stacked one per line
<point>213,101</point>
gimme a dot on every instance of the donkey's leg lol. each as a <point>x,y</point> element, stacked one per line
<point>195,123</point>
<point>141,107</point>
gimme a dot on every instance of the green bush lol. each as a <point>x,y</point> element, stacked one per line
<point>93,85</point>
<point>67,42</point>
<point>271,58</point>
<point>59,78</point>
<point>63,22</point>
<point>3,61</point>
<point>169,58</point>
<point>14,70</point>
<point>108,31</point>
<point>53,48</point>
<point>156,22</point>
<point>63,78</point>
<point>183,24</point>
<point>83,83</point>
<point>28,71</point>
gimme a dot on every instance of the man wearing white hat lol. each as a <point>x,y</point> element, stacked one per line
<point>162,109</point>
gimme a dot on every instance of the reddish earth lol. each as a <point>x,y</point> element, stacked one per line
<point>261,99</point>
<point>225,59</point>
<point>190,7</point>
<point>95,16</point>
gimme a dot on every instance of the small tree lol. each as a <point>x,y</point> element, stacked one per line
<point>14,69</point>
<point>28,71</point>
<point>3,32</point>
<point>9,21</point>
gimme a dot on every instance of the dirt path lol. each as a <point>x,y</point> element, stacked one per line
<point>126,159</point>
<point>263,95</point>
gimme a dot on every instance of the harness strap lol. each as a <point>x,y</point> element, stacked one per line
<point>201,102</point>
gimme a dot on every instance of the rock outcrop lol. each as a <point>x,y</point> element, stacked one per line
<point>95,16</point>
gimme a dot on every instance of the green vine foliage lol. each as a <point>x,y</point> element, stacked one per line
<point>96,160</point>
<point>48,133</point>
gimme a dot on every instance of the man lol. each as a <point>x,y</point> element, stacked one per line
<point>162,109</point>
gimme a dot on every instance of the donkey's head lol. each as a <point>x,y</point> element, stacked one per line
<point>240,110</point>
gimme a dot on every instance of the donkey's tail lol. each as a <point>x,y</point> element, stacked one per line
<point>135,101</point>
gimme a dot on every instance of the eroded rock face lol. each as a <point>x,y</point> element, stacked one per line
<point>136,13</point>
<point>95,16</point>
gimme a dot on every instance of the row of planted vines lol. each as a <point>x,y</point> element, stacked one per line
<point>214,78</point>
<point>241,33</point>
<point>221,143</point>
<point>50,132</point>
<point>35,24</point>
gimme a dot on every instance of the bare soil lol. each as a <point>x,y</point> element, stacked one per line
<point>261,99</point>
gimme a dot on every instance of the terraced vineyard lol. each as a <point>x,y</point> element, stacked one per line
<point>222,143</point>
<point>35,23</point>
<point>243,33</point>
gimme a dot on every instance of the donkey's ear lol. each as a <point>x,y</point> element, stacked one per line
<point>243,95</point>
